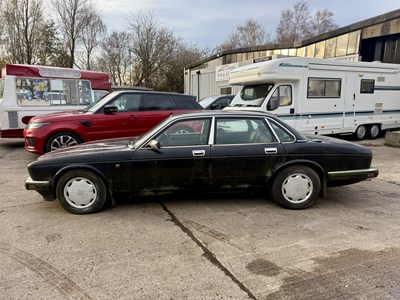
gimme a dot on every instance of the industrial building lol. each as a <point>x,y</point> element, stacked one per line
<point>374,39</point>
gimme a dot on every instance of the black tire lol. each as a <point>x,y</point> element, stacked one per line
<point>81,192</point>
<point>61,140</point>
<point>374,131</point>
<point>360,133</point>
<point>296,187</point>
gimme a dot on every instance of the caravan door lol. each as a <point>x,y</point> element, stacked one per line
<point>323,105</point>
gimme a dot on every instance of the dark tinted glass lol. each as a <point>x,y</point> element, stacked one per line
<point>158,102</point>
<point>186,102</point>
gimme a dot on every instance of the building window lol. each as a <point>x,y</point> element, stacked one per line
<point>310,50</point>
<point>323,88</point>
<point>320,50</point>
<point>330,48</point>
<point>341,46</point>
<point>354,42</point>
<point>226,91</point>
<point>367,86</point>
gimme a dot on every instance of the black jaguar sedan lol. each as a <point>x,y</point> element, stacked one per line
<point>217,151</point>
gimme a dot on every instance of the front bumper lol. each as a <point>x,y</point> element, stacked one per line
<point>353,174</point>
<point>44,188</point>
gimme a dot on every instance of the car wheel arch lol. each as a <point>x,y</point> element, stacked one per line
<point>66,169</point>
<point>311,164</point>
<point>58,132</point>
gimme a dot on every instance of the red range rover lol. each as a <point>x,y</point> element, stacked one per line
<point>119,114</point>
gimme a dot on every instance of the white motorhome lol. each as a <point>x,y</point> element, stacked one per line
<point>322,96</point>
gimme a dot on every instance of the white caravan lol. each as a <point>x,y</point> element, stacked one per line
<point>322,96</point>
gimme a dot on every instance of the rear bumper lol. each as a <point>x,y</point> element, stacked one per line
<point>44,188</point>
<point>353,175</point>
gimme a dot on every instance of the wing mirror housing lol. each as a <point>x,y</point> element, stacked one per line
<point>110,109</point>
<point>154,145</point>
<point>273,104</point>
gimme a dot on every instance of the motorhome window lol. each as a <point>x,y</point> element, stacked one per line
<point>46,92</point>
<point>367,86</point>
<point>323,88</point>
<point>284,94</point>
<point>255,93</point>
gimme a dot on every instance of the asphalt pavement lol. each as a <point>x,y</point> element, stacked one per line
<point>239,246</point>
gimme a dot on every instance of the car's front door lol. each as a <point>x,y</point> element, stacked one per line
<point>123,123</point>
<point>244,153</point>
<point>181,162</point>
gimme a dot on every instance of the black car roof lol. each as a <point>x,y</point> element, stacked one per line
<point>149,92</point>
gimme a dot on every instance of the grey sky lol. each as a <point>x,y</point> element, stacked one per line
<point>210,22</point>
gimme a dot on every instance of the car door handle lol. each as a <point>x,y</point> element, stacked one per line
<point>198,152</point>
<point>270,150</point>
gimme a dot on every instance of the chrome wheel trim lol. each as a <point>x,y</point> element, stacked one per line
<point>297,188</point>
<point>63,141</point>
<point>80,192</point>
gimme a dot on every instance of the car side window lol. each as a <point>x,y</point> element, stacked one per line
<point>185,133</point>
<point>242,131</point>
<point>127,102</point>
<point>157,102</point>
<point>186,102</point>
<point>282,133</point>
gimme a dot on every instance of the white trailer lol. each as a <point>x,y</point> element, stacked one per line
<point>322,96</point>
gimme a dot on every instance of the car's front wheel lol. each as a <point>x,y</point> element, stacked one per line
<point>81,192</point>
<point>296,187</point>
<point>61,140</point>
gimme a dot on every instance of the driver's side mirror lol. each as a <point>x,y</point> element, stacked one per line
<point>273,103</point>
<point>153,144</point>
<point>110,109</point>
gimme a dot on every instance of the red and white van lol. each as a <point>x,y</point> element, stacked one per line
<point>27,91</point>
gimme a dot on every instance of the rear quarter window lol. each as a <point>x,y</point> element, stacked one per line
<point>186,102</point>
<point>158,102</point>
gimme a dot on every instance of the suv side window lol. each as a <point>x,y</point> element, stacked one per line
<point>186,102</point>
<point>127,102</point>
<point>157,102</point>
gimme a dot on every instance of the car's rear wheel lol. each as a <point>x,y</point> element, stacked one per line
<point>81,192</point>
<point>374,131</point>
<point>61,140</point>
<point>296,187</point>
<point>361,132</point>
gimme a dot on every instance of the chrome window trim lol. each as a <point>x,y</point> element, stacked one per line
<point>285,129</point>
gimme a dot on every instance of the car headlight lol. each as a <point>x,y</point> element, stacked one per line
<point>37,125</point>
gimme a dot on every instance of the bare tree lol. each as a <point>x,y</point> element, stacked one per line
<point>74,17</point>
<point>116,58</point>
<point>91,38</point>
<point>323,22</point>
<point>297,23</point>
<point>170,78</point>
<point>247,35</point>
<point>23,24</point>
<point>153,46</point>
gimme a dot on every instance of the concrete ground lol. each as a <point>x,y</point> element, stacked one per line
<point>229,247</point>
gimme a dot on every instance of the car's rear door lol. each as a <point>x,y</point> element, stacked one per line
<point>244,153</point>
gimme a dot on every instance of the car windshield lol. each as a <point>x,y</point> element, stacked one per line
<point>207,101</point>
<point>96,105</point>
<point>252,95</point>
